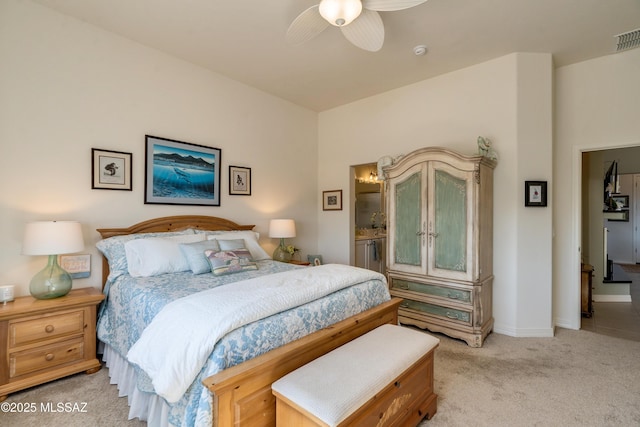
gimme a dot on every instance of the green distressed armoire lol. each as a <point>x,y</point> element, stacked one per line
<point>440,241</point>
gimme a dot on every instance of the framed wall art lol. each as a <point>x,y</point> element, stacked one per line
<point>535,193</point>
<point>78,266</point>
<point>621,202</point>
<point>111,170</point>
<point>239,181</point>
<point>181,173</point>
<point>332,200</point>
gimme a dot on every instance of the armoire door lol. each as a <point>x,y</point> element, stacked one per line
<point>450,222</point>
<point>406,233</point>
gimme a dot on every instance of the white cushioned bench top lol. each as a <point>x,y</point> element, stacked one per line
<point>335,385</point>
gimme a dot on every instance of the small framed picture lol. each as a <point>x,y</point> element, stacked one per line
<point>111,170</point>
<point>621,202</point>
<point>314,259</point>
<point>535,193</point>
<point>332,200</point>
<point>239,181</point>
<point>78,266</point>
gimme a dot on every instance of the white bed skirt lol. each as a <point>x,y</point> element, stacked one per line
<point>145,406</point>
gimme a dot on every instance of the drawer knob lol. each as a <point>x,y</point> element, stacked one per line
<point>49,328</point>
<point>49,357</point>
<point>453,296</point>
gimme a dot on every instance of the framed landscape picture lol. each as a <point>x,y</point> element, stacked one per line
<point>181,173</point>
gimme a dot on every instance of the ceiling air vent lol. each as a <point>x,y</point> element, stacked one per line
<point>628,40</point>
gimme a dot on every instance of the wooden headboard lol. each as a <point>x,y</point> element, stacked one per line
<point>169,223</point>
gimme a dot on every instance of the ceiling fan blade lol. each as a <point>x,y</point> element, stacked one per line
<point>306,26</point>
<point>390,5</point>
<point>366,31</point>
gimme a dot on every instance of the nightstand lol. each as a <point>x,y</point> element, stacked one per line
<point>296,262</point>
<point>43,340</point>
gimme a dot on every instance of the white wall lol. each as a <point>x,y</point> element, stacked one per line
<point>507,100</point>
<point>66,87</point>
<point>596,107</point>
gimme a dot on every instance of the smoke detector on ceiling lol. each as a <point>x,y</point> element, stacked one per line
<point>420,50</point>
<point>628,40</point>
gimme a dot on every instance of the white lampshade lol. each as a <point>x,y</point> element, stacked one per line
<point>340,12</point>
<point>52,238</point>
<point>282,228</point>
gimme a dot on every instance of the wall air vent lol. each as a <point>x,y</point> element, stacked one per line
<point>628,40</point>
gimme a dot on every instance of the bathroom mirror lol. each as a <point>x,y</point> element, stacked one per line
<point>369,198</point>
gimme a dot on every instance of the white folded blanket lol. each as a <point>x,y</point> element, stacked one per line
<point>178,341</point>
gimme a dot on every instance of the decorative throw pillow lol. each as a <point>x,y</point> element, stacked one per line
<point>229,262</point>
<point>250,241</point>
<point>194,253</point>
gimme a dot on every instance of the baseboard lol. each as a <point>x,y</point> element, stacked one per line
<point>524,333</point>
<point>611,298</point>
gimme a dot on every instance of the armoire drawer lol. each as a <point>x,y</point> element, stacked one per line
<point>433,290</point>
<point>437,310</point>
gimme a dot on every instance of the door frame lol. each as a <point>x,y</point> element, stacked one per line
<point>575,270</point>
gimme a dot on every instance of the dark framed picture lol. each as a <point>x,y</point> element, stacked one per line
<point>332,200</point>
<point>181,173</point>
<point>620,202</point>
<point>239,181</point>
<point>111,170</point>
<point>535,193</point>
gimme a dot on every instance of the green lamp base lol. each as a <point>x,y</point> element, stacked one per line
<point>281,254</point>
<point>51,282</point>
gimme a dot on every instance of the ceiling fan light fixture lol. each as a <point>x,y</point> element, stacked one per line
<point>340,12</point>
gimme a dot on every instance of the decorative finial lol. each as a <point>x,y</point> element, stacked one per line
<point>485,149</point>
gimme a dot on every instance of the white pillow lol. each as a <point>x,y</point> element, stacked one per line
<point>250,239</point>
<point>153,256</point>
<point>113,248</point>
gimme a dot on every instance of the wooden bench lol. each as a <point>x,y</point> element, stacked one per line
<point>382,378</point>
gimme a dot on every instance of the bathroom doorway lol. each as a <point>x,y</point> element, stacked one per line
<point>370,221</point>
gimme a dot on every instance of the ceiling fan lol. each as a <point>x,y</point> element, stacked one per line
<point>358,20</point>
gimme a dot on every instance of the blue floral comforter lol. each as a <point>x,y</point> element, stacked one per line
<point>132,304</point>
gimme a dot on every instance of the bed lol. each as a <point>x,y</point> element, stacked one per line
<point>232,386</point>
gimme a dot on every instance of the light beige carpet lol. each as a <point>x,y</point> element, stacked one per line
<point>577,378</point>
<point>103,406</point>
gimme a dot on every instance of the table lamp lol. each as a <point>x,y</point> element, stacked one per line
<point>282,228</point>
<point>51,238</point>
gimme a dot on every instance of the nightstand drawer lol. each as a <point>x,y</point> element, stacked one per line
<point>41,358</point>
<point>44,328</point>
